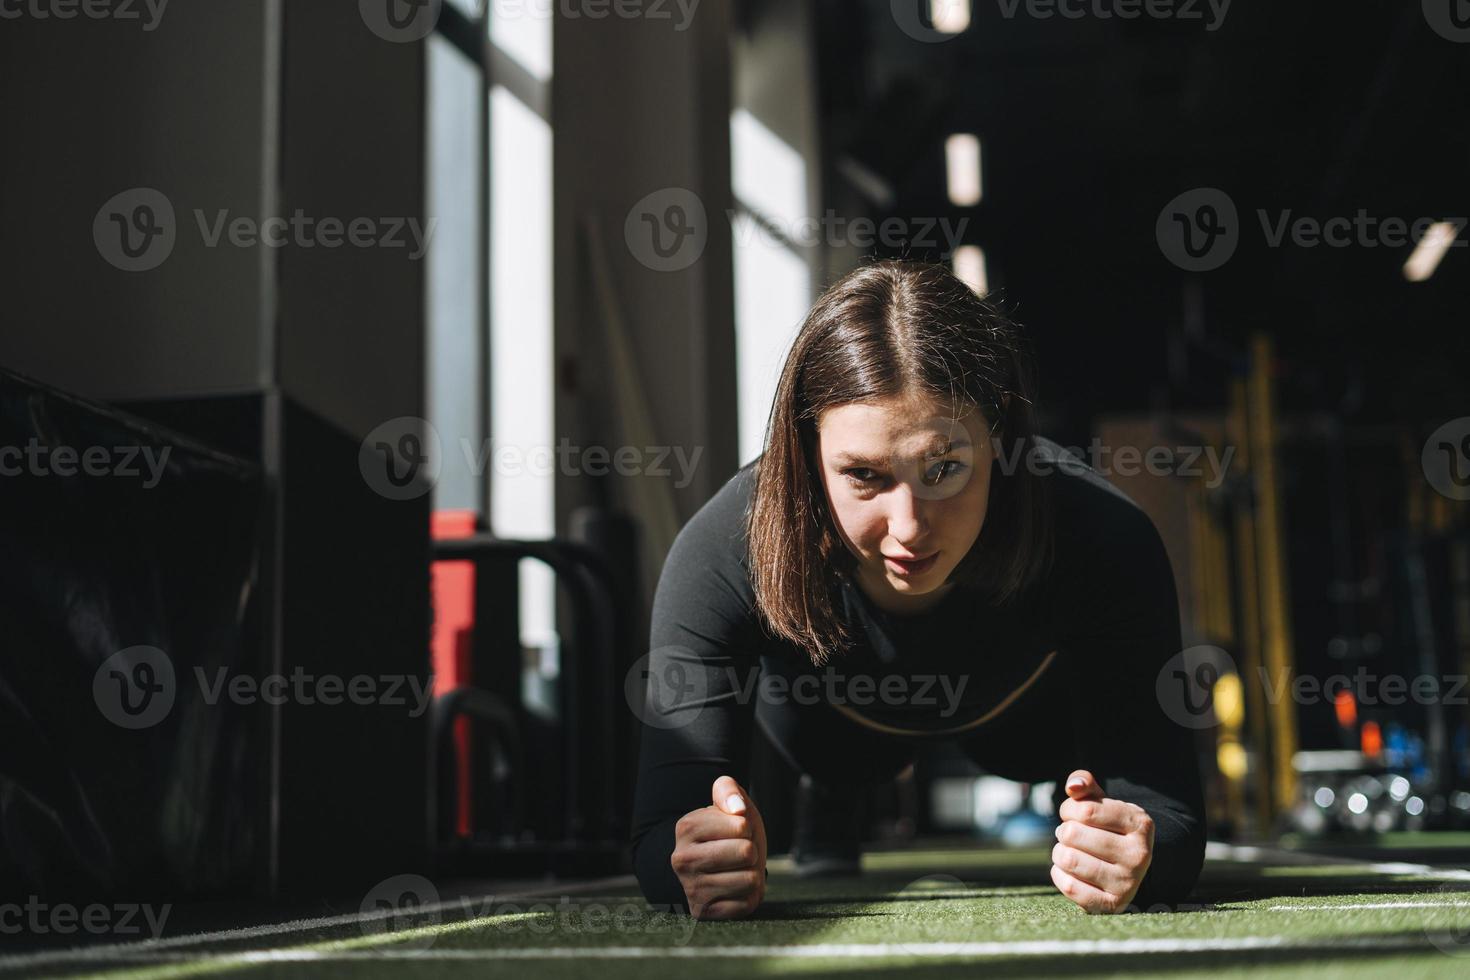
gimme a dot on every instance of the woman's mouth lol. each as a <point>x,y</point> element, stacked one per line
<point>899,566</point>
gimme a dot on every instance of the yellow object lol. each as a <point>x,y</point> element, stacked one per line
<point>1230,701</point>
<point>1230,757</point>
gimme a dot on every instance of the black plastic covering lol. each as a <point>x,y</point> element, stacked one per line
<point>128,576</point>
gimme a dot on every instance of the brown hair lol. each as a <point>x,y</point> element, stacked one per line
<point>890,328</point>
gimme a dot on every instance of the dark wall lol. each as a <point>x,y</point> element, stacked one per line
<point>287,354</point>
<point>95,108</point>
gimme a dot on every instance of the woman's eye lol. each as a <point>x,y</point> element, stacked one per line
<point>942,471</point>
<point>867,479</point>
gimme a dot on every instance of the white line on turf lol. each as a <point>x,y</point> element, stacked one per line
<point>247,933</point>
<point>1371,905</point>
<point>154,949</point>
<point>1251,854</point>
<point>1060,947</point>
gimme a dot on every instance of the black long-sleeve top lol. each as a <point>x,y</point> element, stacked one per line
<point>1105,619</point>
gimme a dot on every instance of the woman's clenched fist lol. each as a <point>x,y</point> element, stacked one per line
<point>1104,847</point>
<point>720,854</point>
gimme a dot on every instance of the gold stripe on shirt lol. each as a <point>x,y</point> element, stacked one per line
<point>974,723</point>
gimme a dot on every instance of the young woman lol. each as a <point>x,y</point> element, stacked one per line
<point>908,560</point>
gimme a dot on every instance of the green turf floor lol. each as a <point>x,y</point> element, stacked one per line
<point>1262,918</point>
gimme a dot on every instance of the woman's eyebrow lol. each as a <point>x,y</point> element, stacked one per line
<point>936,450</point>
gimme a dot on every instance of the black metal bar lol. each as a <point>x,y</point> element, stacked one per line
<point>590,584</point>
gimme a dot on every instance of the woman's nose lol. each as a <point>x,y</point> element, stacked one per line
<point>906,521</point>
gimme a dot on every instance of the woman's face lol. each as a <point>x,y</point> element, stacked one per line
<point>908,486</point>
